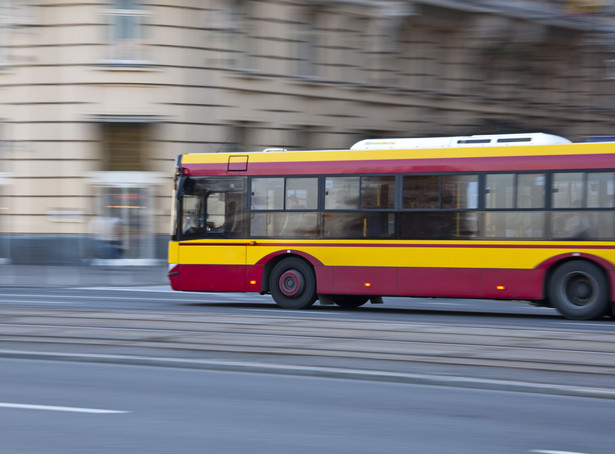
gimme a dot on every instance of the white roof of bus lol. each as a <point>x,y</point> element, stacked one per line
<point>488,140</point>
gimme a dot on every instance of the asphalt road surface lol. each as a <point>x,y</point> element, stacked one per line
<point>162,298</point>
<point>81,408</point>
<point>149,370</point>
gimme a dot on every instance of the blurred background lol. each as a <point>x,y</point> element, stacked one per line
<point>97,99</point>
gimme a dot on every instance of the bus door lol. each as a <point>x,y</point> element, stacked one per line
<point>212,234</point>
<point>122,228</point>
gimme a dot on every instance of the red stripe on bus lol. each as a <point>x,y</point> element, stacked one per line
<point>442,165</point>
<point>575,246</point>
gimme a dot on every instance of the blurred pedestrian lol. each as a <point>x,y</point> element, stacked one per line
<point>107,238</point>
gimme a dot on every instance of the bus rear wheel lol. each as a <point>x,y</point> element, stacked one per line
<point>579,291</point>
<point>292,284</point>
<point>350,301</point>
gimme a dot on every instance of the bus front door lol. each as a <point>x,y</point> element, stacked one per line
<point>212,248</point>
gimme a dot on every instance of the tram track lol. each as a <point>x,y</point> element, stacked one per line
<point>553,350</point>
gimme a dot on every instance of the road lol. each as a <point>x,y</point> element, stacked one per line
<point>503,376</point>
<point>162,298</point>
<point>81,408</point>
<point>489,339</point>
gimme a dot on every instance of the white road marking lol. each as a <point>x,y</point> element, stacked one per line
<point>204,299</point>
<point>543,451</point>
<point>153,289</point>
<point>54,408</point>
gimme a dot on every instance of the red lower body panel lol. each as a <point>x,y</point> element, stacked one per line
<point>382,281</point>
<point>209,278</point>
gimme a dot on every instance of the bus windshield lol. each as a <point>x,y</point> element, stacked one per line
<point>211,207</point>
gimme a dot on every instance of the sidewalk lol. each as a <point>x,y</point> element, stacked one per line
<point>81,276</point>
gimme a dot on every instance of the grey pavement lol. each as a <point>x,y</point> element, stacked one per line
<point>81,276</point>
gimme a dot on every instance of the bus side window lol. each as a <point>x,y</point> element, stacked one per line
<point>342,193</point>
<point>378,192</point>
<point>515,206</point>
<point>421,192</point>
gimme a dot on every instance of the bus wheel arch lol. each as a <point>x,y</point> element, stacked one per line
<point>291,281</point>
<point>271,260</point>
<point>579,289</point>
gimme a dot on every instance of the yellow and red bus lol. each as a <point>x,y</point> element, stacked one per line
<point>517,216</point>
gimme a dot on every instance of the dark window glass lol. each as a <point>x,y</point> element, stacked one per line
<point>358,225</point>
<point>438,225</point>
<point>515,139</point>
<point>378,192</point>
<point>421,192</point>
<point>459,191</point>
<point>473,141</point>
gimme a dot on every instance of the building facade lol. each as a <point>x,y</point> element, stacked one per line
<point>97,98</point>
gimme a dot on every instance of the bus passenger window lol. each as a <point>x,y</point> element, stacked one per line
<point>422,225</point>
<point>499,191</point>
<point>343,225</point>
<point>358,225</point>
<point>421,192</point>
<point>568,190</point>
<point>267,193</point>
<point>583,225</point>
<point>514,224</point>
<point>284,225</point>
<point>600,190</point>
<point>342,193</point>
<point>378,192</point>
<point>301,194</point>
<point>530,190</point>
<point>460,191</point>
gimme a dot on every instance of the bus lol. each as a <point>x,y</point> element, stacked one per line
<point>527,217</point>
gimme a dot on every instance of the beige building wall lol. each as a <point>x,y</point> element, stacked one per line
<point>105,94</point>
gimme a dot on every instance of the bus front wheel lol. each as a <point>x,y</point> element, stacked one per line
<point>579,291</point>
<point>292,284</point>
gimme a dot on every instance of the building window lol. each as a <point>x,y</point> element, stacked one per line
<point>5,22</point>
<point>125,146</point>
<point>243,44</point>
<point>125,35</point>
<point>306,54</point>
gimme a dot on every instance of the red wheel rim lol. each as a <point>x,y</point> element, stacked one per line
<point>291,283</point>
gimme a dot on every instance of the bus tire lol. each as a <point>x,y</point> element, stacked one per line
<point>292,284</point>
<point>350,301</point>
<point>579,291</point>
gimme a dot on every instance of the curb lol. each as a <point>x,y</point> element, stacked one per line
<point>322,372</point>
